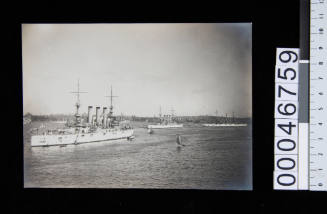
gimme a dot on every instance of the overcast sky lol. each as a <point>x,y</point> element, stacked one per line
<point>195,69</point>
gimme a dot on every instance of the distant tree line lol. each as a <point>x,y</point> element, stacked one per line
<point>212,119</point>
<point>196,119</point>
<point>50,117</point>
<point>180,119</point>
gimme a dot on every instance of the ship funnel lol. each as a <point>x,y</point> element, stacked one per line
<point>97,115</point>
<point>89,115</point>
<point>104,117</point>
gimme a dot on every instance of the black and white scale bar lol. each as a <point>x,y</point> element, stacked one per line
<point>303,119</point>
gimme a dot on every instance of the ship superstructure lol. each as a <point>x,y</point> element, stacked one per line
<point>165,121</point>
<point>99,127</point>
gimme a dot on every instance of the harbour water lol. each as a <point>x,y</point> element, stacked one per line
<point>212,158</point>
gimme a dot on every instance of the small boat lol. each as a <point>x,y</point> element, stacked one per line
<point>179,140</point>
<point>150,131</point>
<point>130,137</point>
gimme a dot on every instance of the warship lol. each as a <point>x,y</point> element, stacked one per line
<point>226,124</point>
<point>165,121</point>
<point>99,127</point>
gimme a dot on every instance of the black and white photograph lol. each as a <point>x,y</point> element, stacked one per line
<point>137,105</point>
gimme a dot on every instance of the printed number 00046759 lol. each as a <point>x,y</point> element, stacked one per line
<point>286,115</point>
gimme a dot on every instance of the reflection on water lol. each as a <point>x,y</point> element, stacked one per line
<point>178,149</point>
<point>212,158</point>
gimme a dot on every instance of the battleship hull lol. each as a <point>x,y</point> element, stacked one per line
<point>223,125</point>
<point>66,139</point>
<point>161,126</point>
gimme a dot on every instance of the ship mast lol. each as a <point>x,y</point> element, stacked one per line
<point>159,111</point>
<point>172,114</point>
<point>111,106</point>
<point>78,105</point>
<point>233,118</point>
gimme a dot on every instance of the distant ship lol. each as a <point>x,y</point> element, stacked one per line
<point>27,119</point>
<point>166,121</point>
<point>224,124</point>
<point>228,123</point>
<point>98,127</point>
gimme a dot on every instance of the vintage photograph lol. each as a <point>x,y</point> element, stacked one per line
<point>150,106</point>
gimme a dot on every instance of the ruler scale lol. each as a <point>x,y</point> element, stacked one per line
<point>303,138</point>
<point>318,97</point>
